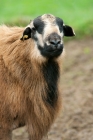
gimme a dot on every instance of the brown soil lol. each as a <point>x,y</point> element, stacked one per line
<point>76,119</point>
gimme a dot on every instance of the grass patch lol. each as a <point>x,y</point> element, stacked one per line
<point>85,29</point>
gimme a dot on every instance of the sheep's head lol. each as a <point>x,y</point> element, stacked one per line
<point>47,31</point>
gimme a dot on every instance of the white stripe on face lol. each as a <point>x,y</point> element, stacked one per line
<point>50,26</point>
<point>39,39</point>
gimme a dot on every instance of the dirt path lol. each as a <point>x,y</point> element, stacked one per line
<point>76,119</point>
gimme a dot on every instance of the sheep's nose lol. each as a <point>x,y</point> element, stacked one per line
<point>54,40</point>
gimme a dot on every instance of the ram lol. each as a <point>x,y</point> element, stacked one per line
<point>30,65</point>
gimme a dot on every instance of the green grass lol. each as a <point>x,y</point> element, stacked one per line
<point>77,13</point>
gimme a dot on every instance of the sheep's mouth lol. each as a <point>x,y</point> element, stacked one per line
<point>48,51</point>
<point>54,53</point>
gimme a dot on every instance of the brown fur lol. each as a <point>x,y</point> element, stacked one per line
<point>22,87</point>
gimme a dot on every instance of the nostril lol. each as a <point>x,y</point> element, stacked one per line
<point>52,42</point>
<point>55,42</point>
<point>58,42</point>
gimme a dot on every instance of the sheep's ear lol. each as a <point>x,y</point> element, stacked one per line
<point>26,34</point>
<point>68,31</point>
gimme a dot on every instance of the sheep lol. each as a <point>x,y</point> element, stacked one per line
<point>30,65</point>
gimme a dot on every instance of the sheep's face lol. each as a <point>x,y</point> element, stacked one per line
<point>47,32</point>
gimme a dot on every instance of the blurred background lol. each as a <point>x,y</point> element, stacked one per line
<point>76,119</point>
<point>74,12</point>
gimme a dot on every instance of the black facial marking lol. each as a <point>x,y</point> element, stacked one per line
<point>39,25</point>
<point>59,23</point>
<point>51,74</point>
<point>49,52</point>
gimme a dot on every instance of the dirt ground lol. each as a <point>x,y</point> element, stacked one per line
<point>76,119</point>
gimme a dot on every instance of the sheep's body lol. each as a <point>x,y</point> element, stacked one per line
<point>29,75</point>
<point>23,98</point>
